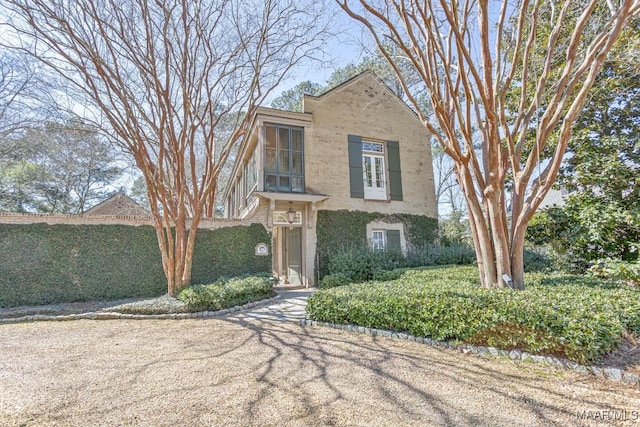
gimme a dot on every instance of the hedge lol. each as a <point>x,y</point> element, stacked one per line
<point>342,230</point>
<point>576,317</point>
<point>365,263</point>
<point>45,264</point>
<point>227,293</point>
<point>228,252</point>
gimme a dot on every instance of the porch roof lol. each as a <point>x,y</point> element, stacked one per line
<point>291,197</point>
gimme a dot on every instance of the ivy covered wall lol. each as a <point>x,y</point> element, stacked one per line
<point>44,264</point>
<point>339,230</point>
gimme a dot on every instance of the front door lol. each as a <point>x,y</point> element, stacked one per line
<point>292,255</point>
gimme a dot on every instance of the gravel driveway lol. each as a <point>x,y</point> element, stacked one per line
<point>244,370</point>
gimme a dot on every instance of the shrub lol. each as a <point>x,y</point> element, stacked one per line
<point>46,264</point>
<point>441,255</point>
<point>359,264</point>
<point>227,293</point>
<point>535,260</point>
<point>627,272</point>
<point>334,280</point>
<point>576,317</point>
<point>388,275</point>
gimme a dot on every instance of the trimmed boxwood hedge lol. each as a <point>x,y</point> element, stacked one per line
<point>44,264</point>
<point>576,317</point>
<point>227,293</point>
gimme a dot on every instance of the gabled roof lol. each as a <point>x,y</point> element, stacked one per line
<point>366,74</point>
<point>118,204</point>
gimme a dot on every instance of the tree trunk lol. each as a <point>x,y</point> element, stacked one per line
<point>480,230</point>
<point>517,259</point>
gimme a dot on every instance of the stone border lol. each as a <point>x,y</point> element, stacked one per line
<point>107,315</point>
<point>613,374</point>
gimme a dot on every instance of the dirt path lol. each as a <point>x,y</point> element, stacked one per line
<point>252,371</point>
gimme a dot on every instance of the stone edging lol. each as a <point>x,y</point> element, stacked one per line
<point>613,374</point>
<point>106,315</point>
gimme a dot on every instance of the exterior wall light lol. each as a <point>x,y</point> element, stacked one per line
<point>291,215</point>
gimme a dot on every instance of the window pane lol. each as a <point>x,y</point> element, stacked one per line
<point>368,179</point>
<point>372,146</point>
<point>379,172</point>
<point>271,136</point>
<point>283,162</point>
<point>297,162</point>
<point>285,184</point>
<point>270,160</point>
<point>270,183</point>
<point>377,240</point>
<point>298,184</point>
<point>284,138</point>
<point>296,139</point>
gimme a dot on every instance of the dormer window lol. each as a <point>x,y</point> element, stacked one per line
<point>284,159</point>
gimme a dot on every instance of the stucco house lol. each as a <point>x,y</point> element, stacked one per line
<point>356,148</point>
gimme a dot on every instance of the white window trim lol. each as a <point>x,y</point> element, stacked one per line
<point>378,151</point>
<point>384,226</point>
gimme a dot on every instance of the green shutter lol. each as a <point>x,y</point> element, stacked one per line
<point>393,241</point>
<point>395,176</point>
<point>355,167</point>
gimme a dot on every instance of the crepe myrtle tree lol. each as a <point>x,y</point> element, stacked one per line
<point>501,76</point>
<point>162,78</point>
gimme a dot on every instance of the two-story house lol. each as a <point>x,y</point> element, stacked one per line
<point>356,147</point>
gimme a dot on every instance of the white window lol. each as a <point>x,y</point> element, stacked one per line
<point>373,170</point>
<point>377,240</point>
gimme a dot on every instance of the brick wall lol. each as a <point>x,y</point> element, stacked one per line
<point>15,218</point>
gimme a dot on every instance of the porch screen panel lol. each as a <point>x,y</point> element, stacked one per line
<point>284,158</point>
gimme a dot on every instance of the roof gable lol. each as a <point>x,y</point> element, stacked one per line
<point>365,76</point>
<point>118,204</point>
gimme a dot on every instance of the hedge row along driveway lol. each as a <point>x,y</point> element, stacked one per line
<point>46,264</point>
<point>575,317</point>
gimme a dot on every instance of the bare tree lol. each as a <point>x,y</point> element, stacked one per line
<point>475,57</point>
<point>162,77</point>
<point>16,78</point>
<point>447,189</point>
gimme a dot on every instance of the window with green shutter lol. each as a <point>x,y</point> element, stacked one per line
<point>369,177</point>
<point>395,175</point>
<point>393,241</point>
<point>355,167</point>
<point>385,239</point>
